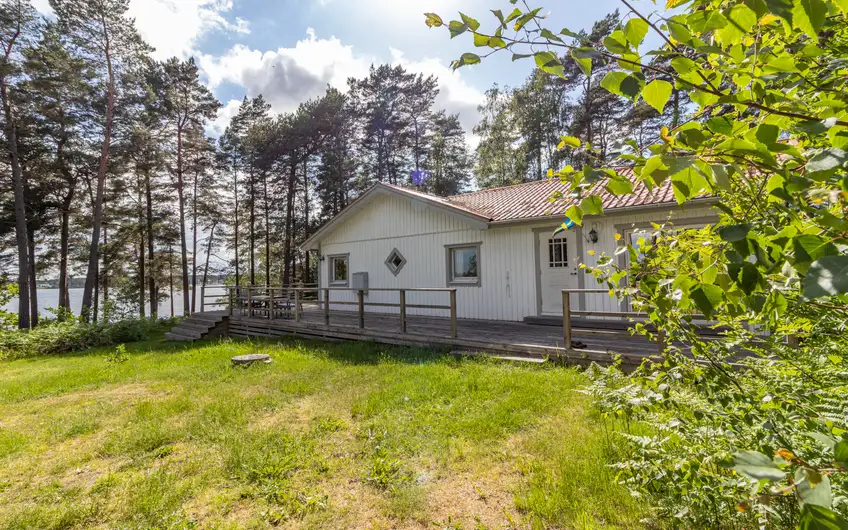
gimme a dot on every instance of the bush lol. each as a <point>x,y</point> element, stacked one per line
<point>54,337</point>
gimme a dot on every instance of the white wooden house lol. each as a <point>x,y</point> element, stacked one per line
<point>495,246</point>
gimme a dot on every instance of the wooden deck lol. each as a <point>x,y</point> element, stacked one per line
<point>473,336</point>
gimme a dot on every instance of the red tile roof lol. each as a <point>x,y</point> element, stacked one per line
<point>533,199</point>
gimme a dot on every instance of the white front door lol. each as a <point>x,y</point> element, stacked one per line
<point>559,262</point>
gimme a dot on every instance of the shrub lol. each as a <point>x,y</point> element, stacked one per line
<point>53,337</point>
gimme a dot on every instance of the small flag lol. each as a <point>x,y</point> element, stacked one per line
<point>420,176</point>
<point>564,226</point>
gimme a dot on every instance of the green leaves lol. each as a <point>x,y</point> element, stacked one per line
<point>814,517</point>
<point>813,487</point>
<point>827,277</point>
<point>809,15</point>
<point>657,94</point>
<point>619,186</point>
<point>622,84</point>
<point>568,141</point>
<point>583,57</point>
<point>635,31</point>
<point>433,20</point>
<point>707,298</point>
<point>466,59</point>
<point>592,205</point>
<point>756,466</point>
<point>840,453</point>
<point>825,163</point>
<point>575,213</point>
<point>734,232</point>
<point>549,63</point>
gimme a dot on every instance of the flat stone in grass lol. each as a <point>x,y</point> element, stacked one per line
<point>247,360</point>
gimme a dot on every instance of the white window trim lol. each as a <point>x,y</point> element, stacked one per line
<point>331,281</point>
<point>463,282</point>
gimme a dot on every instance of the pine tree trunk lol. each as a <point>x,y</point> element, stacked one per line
<point>64,244</point>
<point>153,292</point>
<point>181,200</point>
<point>33,287</point>
<point>252,231</point>
<point>208,252</point>
<point>267,229</point>
<point>141,262</point>
<point>105,276</point>
<point>94,250</point>
<point>194,247</point>
<point>236,222</point>
<point>287,253</point>
<point>306,268</point>
<point>20,209</point>
<point>171,276</point>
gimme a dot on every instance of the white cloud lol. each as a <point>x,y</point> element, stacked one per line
<point>215,128</point>
<point>173,27</point>
<point>455,94</point>
<point>289,76</point>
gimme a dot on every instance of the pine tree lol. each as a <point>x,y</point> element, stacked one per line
<point>16,16</point>
<point>101,34</point>
<point>187,103</point>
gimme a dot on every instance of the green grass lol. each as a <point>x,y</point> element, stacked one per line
<point>352,435</point>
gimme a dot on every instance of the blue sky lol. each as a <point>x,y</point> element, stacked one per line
<point>289,50</point>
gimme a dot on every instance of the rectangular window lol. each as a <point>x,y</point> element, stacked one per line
<point>558,250</point>
<point>463,264</point>
<point>339,270</point>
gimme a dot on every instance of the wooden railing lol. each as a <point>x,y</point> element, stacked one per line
<point>288,302</point>
<point>225,298</point>
<point>568,313</point>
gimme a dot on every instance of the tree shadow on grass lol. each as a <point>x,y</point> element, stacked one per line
<point>352,352</point>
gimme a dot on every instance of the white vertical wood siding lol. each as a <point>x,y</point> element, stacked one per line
<point>420,232</point>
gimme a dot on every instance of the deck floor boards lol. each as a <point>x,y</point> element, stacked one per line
<point>473,335</point>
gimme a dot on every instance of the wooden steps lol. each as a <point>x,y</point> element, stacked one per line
<point>200,326</point>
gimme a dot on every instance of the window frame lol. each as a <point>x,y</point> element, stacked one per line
<point>390,265</point>
<point>331,270</point>
<point>562,243</point>
<point>451,280</point>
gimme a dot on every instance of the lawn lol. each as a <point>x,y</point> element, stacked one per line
<point>343,435</point>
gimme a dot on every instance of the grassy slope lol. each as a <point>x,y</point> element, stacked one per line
<point>351,435</point>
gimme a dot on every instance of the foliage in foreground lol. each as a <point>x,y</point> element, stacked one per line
<point>731,443</point>
<point>71,335</point>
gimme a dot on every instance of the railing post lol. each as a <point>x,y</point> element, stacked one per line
<point>566,319</point>
<point>661,341</point>
<point>230,299</point>
<point>271,305</point>
<point>202,298</point>
<point>327,307</point>
<point>361,296</point>
<point>402,311</point>
<point>296,305</point>
<point>454,330</point>
<point>250,301</point>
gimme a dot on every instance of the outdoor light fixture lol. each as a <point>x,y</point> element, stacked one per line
<point>593,236</point>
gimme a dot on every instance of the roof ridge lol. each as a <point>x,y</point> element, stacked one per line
<point>529,182</point>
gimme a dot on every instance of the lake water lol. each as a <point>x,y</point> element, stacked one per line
<point>49,298</point>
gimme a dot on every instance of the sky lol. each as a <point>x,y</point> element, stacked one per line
<point>290,50</point>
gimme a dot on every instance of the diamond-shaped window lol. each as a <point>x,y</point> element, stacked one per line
<point>395,261</point>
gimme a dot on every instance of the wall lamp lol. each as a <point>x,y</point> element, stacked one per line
<point>593,236</point>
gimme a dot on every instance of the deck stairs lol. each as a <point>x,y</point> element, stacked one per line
<point>200,326</point>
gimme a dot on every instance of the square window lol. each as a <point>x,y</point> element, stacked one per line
<point>339,270</point>
<point>558,251</point>
<point>464,265</point>
<point>395,261</point>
